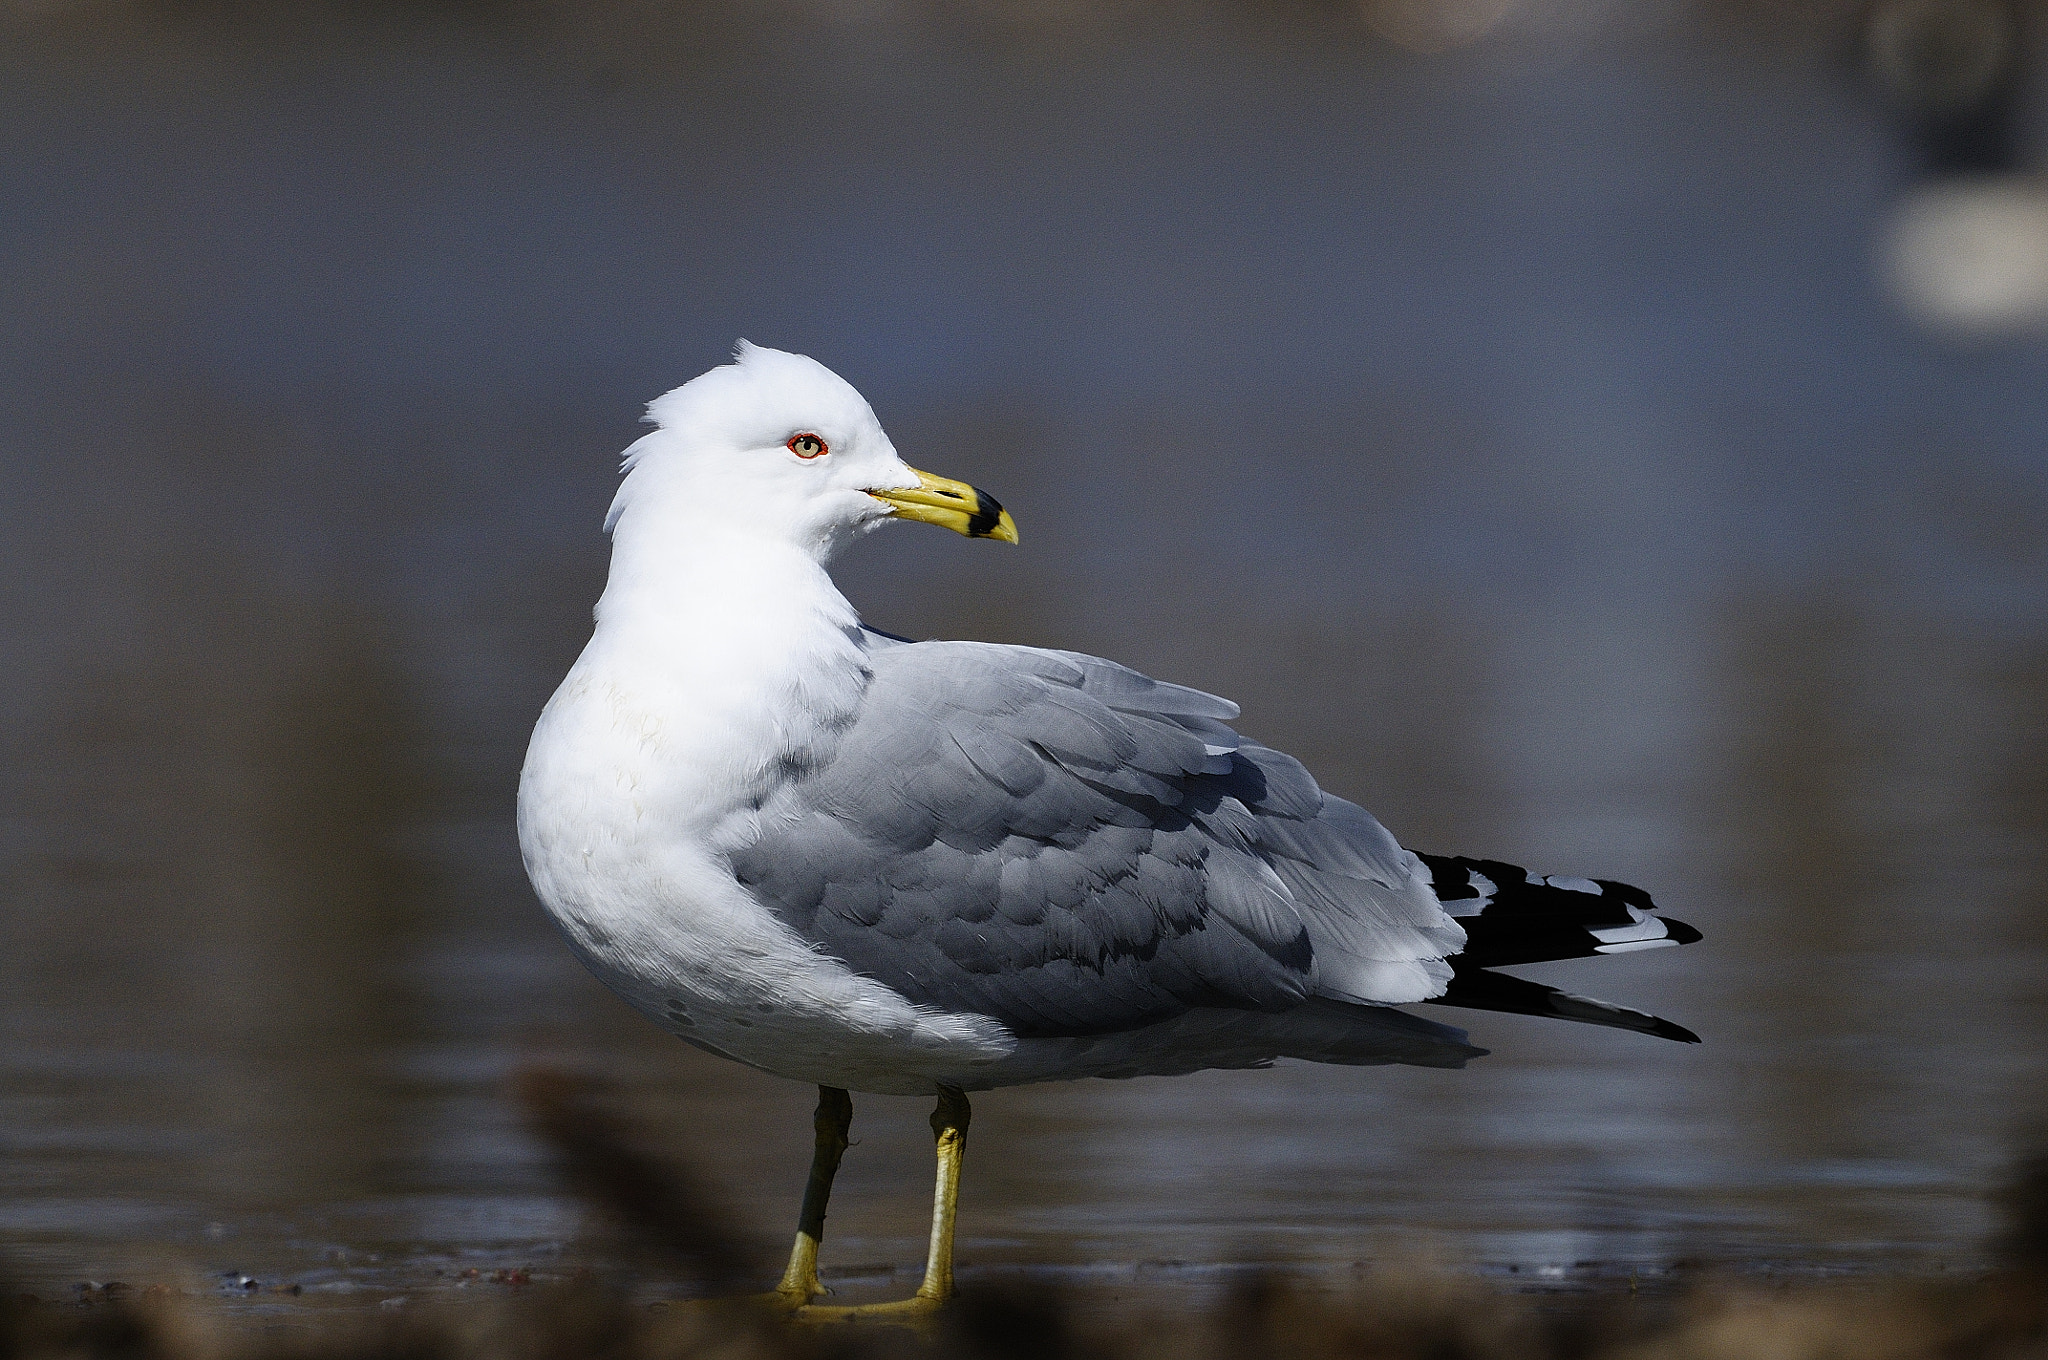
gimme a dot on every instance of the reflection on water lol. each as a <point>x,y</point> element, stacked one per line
<point>1729,587</point>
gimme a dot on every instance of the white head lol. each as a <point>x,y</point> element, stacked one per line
<point>776,444</point>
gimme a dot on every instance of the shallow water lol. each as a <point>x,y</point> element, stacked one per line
<point>1522,443</point>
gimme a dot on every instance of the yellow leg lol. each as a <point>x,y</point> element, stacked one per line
<point>949,1131</point>
<point>834,1117</point>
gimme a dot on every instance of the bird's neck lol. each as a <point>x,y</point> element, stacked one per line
<point>710,600</point>
<point>737,648</point>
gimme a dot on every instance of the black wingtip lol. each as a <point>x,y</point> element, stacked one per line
<point>1680,932</point>
<point>1664,1029</point>
<point>1512,917</point>
<point>1481,990</point>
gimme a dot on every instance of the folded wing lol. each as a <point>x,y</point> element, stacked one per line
<point>1072,848</point>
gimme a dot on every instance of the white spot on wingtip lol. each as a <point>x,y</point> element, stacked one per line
<point>1630,946</point>
<point>1645,928</point>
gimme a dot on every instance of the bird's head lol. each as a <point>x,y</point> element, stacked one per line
<point>777,444</point>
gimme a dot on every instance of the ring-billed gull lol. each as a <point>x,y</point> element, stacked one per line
<point>941,867</point>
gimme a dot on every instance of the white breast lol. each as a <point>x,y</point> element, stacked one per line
<point>687,709</point>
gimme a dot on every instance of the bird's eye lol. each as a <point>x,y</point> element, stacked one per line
<point>808,446</point>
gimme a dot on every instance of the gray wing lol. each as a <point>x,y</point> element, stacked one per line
<point>1072,848</point>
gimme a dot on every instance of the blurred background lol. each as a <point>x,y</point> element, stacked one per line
<point>1605,436</point>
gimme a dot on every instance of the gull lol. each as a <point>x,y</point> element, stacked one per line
<point>930,868</point>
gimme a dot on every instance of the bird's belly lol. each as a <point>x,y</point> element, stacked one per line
<point>814,1021</point>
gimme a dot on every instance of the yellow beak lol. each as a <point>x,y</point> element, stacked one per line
<point>950,505</point>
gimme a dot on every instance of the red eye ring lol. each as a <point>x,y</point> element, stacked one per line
<point>808,445</point>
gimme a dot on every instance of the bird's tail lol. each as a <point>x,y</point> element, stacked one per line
<point>1511,916</point>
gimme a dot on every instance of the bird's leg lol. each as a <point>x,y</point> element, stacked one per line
<point>835,1116</point>
<point>949,1130</point>
<point>949,1133</point>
